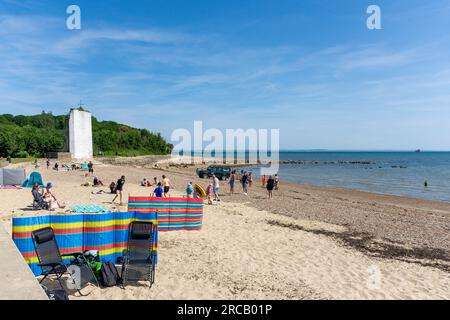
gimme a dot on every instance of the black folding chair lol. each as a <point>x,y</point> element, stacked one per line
<point>39,202</point>
<point>139,257</point>
<point>52,264</point>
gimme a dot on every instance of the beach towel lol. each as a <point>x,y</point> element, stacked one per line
<point>88,209</point>
<point>174,214</point>
<point>105,232</point>
<point>10,188</point>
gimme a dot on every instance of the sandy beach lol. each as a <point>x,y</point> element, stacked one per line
<point>307,243</point>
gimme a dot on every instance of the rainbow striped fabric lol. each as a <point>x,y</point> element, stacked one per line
<point>106,232</point>
<point>173,213</point>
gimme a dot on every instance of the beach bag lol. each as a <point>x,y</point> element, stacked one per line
<point>56,295</point>
<point>109,276</point>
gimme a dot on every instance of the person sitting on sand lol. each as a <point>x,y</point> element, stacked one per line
<point>144,182</point>
<point>98,182</point>
<point>56,167</point>
<point>50,197</point>
<point>119,188</point>
<point>270,186</point>
<point>189,190</point>
<point>112,187</point>
<point>158,192</point>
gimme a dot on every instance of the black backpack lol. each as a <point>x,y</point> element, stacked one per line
<point>109,275</point>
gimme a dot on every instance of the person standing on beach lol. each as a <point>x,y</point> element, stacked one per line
<point>216,188</point>
<point>277,182</point>
<point>208,193</point>
<point>244,182</point>
<point>270,186</point>
<point>119,188</point>
<point>48,164</point>
<point>189,190</point>
<point>90,168</point>
<point>264,181</point>
<point>250,180</point>
<point>231,182</point>
<point>166,185</point>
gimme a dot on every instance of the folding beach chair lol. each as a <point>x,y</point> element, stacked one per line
<point>139,257</point>
<point>39,202</point>
<point>52,264</point>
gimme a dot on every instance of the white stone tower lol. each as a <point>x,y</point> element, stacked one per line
<point>80,134</point>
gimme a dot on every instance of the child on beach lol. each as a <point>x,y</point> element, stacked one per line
<point>264,181</point>
<point>112,187</point>
<point>158,192</point>
<point>208,193</point>
<point>189,190</point>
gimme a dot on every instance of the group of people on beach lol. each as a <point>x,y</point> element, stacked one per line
<point>162,187</point>
<point>85,166</point>
<point>271,184</point>
<point>46,199</point>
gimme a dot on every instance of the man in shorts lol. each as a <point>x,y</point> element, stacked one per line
<point>216,188</point>
<point>119,188</point>
<point>166,185</point>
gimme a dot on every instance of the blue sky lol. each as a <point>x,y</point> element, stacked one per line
<point>310,68</point>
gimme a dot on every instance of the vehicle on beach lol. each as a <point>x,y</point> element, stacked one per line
<point>221,172</point>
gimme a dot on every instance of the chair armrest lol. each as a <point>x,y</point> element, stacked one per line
<point>50,264</point>
<point>72,254</point>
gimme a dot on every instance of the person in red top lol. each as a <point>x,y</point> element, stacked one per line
<point>264,180</point>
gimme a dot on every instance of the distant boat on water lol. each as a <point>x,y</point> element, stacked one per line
<point>418,150</point>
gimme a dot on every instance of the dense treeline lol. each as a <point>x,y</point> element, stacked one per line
<point>23,136</point>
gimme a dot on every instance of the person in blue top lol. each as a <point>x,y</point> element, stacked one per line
<point>189,190</point>
<point>158,192</point>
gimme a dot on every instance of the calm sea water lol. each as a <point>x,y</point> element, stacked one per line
<point>396,173</point>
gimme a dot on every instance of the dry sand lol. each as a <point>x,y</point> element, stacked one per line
<point>308,243</point>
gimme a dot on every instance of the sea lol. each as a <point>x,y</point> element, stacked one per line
<point>393,173</point>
